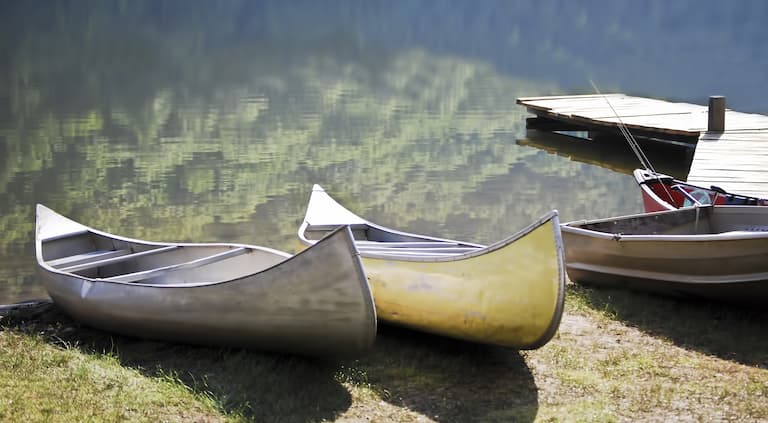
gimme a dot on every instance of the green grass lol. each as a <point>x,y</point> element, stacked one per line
<point>40,382</point>
<point>618,356</point>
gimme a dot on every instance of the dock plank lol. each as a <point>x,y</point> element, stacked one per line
<point>736,161</point>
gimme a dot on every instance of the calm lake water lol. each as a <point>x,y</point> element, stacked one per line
<point>210,121</point>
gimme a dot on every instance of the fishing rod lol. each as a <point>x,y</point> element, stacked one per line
<point>633,144</point>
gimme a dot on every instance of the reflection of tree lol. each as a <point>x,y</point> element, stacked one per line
<point>149,128</point>
<point>213,148</point>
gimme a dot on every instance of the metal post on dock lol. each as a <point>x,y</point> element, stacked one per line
<point>716,113</point>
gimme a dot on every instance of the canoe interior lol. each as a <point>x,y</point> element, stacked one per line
<point>371,239</point>
<point>96,256</point>
<point>363,232</point>
<point>325,214</point>
<point>687,221</point>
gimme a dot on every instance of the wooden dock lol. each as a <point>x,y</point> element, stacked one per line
<point>735,159</point>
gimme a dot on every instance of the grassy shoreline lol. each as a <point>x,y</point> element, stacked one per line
<point>618,356</point>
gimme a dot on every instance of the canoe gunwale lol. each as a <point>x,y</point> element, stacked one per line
<point>45,266</point>
<point>478,252</point>
<point>557,316</point>
<point>481,250</point>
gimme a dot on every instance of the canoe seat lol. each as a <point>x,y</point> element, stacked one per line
<point>115,259</point>
<point>332,226</point>
<point>409,253</point>
<point>401,250</point>
<point>64,235</point>
<point>88,257</point>
<point>152,273</point>
<point>405,244</point>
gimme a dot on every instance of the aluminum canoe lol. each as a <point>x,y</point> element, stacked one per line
<point>317,302</point>
<point>714,252</point>
<point>509,293</point>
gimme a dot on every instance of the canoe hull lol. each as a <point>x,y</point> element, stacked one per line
<point>511,296</point>
<point>317,302</point>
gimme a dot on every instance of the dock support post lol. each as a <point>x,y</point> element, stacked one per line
<point>716,113</point>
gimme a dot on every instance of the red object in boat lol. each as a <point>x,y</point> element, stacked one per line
<point>662,192</point>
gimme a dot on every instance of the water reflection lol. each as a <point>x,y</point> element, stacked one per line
<point>613,152</point>
<point>174,122</point>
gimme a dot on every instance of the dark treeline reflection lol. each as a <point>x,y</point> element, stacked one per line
<point>687,49</point>
<point>206,121</point>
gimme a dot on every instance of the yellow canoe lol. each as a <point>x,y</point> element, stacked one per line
<point>509,293</point>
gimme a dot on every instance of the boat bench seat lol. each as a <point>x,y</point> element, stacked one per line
<point>90,256</point>
<point>401,250</point>
<point>152,273</point>
<point>64,235</point>
<point>98,261</point>
<point>410,253</point>
<point>405,244</point>
<point>333,226</point>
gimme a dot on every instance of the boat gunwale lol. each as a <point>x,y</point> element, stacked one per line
<point>574,227</point>
<point>557,314</point>
<point>286,256</point>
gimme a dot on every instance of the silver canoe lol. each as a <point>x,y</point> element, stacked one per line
<point>317,302</point>
<point>508,294</point>
<point>713,252</point>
